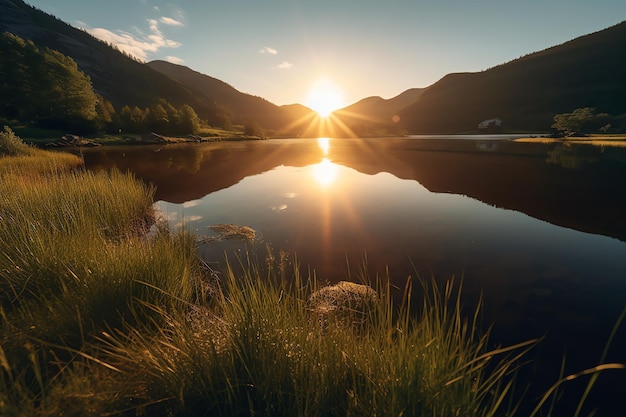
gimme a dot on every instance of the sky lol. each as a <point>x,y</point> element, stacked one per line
<point>295,51</point>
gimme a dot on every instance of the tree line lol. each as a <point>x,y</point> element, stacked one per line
<point>160,117</point>
<point>45,88</point>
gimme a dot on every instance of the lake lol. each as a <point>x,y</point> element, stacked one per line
<point>538,229</point>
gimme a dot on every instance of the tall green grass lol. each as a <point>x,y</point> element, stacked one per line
<point>76,260</point>
<point>257,350</point>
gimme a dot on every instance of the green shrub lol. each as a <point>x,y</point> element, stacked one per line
<point>12,145</point>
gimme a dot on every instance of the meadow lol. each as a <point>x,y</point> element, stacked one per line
<point>105,311</point>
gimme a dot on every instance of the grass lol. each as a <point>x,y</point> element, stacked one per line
<point>606,140</point>
<point>99,317</point>
<point>257,350</point>
<point>75,261</point>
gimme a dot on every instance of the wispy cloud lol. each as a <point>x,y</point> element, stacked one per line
<point>139,45</point>
<point>268,50</point>
<point>285,65</point>
<point>170,22</point>
<point>174,60</point>
<point>192,203</point>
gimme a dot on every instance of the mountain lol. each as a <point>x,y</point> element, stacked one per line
<point>124,81</point>
<point>379,108</point>
<point>526,93</point>
<point>243,107</point>
<point>373,115</point>
<point>114,75</point>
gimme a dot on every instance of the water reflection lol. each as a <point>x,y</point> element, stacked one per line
<point>325,173</point>
<point>577,187</point>
<point>488,211</point>
<point>324,144</point>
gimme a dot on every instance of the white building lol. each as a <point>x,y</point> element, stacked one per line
<point>490,123</point>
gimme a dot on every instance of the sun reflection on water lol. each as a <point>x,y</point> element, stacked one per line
<point>325,172</point>
<point>324,144</point>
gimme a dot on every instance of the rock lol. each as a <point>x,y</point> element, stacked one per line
<point>73,139</point>
<point>232,231</point>
<point>153,138</point>
<point>70,140</point>
<point>345,304</point>
<point>194,138</point>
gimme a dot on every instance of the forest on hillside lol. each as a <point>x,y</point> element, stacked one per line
<point>44,88</point>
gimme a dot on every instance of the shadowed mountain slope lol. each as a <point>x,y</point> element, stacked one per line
<point>377,108</point>
<point>526,93</point>
<point>244,107</point>
<point>373,115</point>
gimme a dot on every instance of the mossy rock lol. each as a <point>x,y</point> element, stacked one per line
<point>345,304</point>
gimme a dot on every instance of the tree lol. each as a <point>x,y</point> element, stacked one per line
<point>71,96</point>
<point>252,128</point>
<point>131,119</point>
<point>580,120</point>
<point>11,145</point>
<point>44,87</point>
<point>106,117</point>
<point>189,121</point>
<point>156,119</point>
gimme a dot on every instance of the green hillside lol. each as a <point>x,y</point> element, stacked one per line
<point>117,77</point>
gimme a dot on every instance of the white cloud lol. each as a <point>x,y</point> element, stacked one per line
<point>285,65</point>
<point>139,45</point>
<point>192,203</point>
<point>174,60</point>
<point>170,22</point>
<point>268,50</point>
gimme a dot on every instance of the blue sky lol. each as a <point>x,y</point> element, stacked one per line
<point>280,49</point>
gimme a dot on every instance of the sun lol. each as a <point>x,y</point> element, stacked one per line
<point>324,97</point>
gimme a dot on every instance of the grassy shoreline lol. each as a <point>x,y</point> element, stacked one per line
<point>51,139</point>
<point>98,317</point>
<point>597,140</point>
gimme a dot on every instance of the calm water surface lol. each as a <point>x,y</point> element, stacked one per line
<point>538,229</point>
